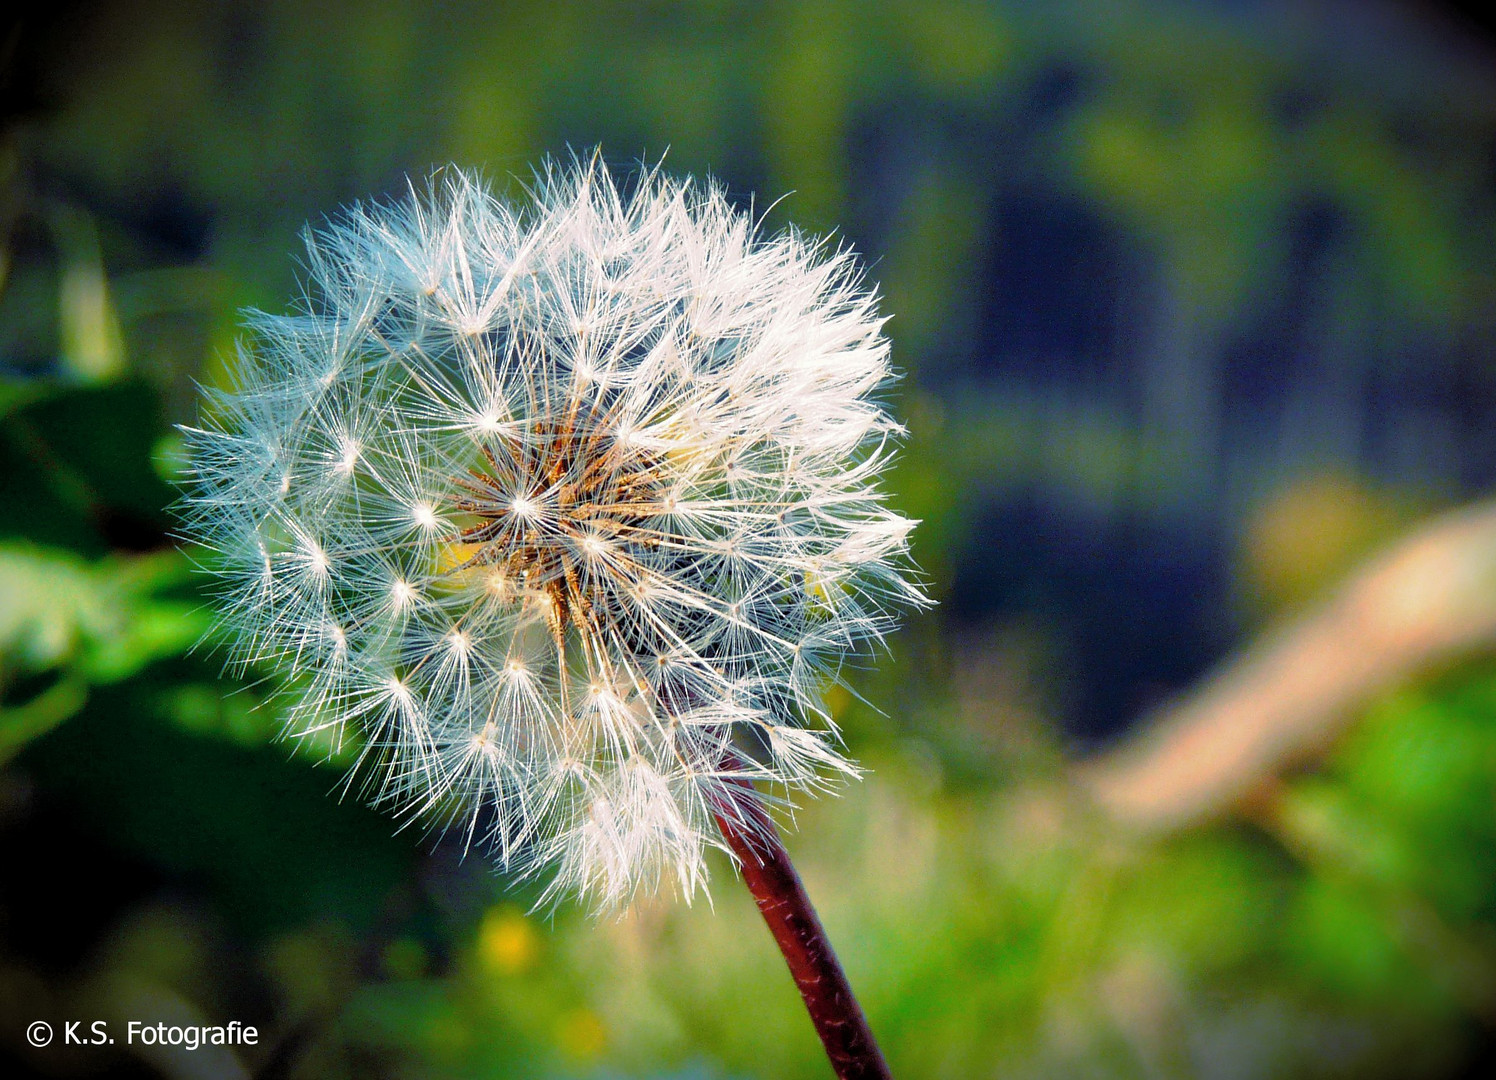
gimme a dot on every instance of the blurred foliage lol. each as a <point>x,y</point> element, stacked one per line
<point>1311,534</point>
<point>70,625</point>
<point>1018,175</point>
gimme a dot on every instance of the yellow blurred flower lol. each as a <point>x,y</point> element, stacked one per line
<point>507,942</point>
<point>582,1034</point>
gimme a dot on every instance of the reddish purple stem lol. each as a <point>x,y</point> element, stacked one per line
<point>780,896</point>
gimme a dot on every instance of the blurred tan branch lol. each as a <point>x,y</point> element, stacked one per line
<point>1429,598</point>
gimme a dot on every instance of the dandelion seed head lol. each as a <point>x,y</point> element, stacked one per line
<point>568,510</point>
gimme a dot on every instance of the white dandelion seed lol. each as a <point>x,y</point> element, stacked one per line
<point>567,511</point>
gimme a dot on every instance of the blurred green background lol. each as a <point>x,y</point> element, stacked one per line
<point>1196,305</point>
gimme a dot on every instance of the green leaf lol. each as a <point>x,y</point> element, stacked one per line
<point>87,622</point>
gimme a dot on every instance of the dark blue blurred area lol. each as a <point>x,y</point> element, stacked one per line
<point>1140,608</point>
<point>1315,370</point>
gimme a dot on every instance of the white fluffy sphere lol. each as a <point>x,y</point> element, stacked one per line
<point>566,511</point>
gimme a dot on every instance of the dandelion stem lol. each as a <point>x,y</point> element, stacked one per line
<point>781,898</point>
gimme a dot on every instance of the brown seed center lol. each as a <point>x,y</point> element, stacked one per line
<point>564,513</point>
